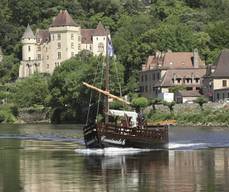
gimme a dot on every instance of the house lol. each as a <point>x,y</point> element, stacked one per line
<point>1,55</point>
<point>186,96</point>
<point>43,51</point>
<point>164,71</point>
<point>216,79</point>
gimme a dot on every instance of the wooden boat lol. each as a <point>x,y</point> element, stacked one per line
<point>131,131</point>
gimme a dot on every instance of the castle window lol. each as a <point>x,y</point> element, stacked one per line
<point>59,55</point>
<point>224,83</point>
<point>59,45</point>
<point>79,47</point>
<point>39,48</point>
<point>72,45</point>
<point>72,36</point>
<point>29,58</point>
<point>101,47</point>
<point>29,48</point>
<point>39,56</point>
<point>59,36</point>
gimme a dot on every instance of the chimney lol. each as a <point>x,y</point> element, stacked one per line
<point>195,58</point>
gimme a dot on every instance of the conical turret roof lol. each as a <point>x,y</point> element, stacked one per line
<point>28,34</point>
<point>63,19</point>
<point>222,64</point>
<point>100,30</point>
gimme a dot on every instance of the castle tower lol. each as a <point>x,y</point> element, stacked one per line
<point>65,39</point>
<point>100,40</point>
<point>28,45</point>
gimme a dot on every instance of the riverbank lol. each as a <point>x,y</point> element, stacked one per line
<point>212,114</point>
<point>191,115</point>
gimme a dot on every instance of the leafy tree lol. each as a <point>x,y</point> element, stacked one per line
<point>31,91</point>
<point>140,102</point>
<point>170,105</point>
<point>155,102</point>
<point>201,101</point>
<point>67,94</point>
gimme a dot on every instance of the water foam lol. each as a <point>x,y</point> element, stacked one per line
<point>187,146</point>
<point>111,151</point>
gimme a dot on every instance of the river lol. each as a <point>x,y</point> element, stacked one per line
<point>48,158</point>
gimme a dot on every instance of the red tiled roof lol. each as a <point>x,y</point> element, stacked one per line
<point>63,19</point>
<point>43,36</point>
<point>100,30</point>
<point>86,36</point>
<point>173,60</point>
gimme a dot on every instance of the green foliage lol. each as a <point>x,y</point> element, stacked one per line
<point>31,91</point>
<point>177,88</point>
<point>170,105</point>
<point>67,91</point>
<point>8,113</point>
<point>201,101</point>
<point>140,102</point>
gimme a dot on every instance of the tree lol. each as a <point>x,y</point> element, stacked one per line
<point>201,101</point>
<point>31,91</point>
<point>170,105</point>
<point>69,96</point>
<point>155,102</point>
<point>139,102</point>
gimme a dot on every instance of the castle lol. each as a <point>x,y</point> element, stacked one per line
<point>64,39</point>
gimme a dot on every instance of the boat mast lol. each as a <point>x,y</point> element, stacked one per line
<point>106,102</point>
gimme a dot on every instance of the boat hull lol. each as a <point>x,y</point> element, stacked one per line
<point>108,135</point>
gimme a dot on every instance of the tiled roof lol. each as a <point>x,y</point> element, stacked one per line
<point>28,34</point>
<point>181,73</point>
<point>43,36</point>
<point>190,93</point>
<point>86,36</point>
<point>222,65</point>
<point>63,19</point>
<point>173,60</point>
<point>100,30</point>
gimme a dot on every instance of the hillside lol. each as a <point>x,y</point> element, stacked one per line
<point>138,27</point>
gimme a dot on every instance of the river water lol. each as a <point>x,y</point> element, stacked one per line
<point>48,158</point>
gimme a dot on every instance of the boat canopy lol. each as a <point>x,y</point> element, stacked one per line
<point>121,113</point>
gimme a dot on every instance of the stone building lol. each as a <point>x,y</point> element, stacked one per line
<point>46,49</point>
<point>216,80</point>
<point>163,71</point>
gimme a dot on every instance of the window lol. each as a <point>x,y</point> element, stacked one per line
<point>72,45</point>
<point>59,45</point>
<point>79,47</point>
<point>39,48</point>
<point>47,66</point>
<point>59,36</point>
<point>39,56</point>
<point>90,47</point>
<point>217,96</point>
<point>29,58</point>
<point>59,55</point>
<point>224,83</point>
<point>72,36</point>
<point>36,67</point>
<point>100,47</point>
<point>29,48</point>
<point>79,38</point>
<point>73,54</point>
